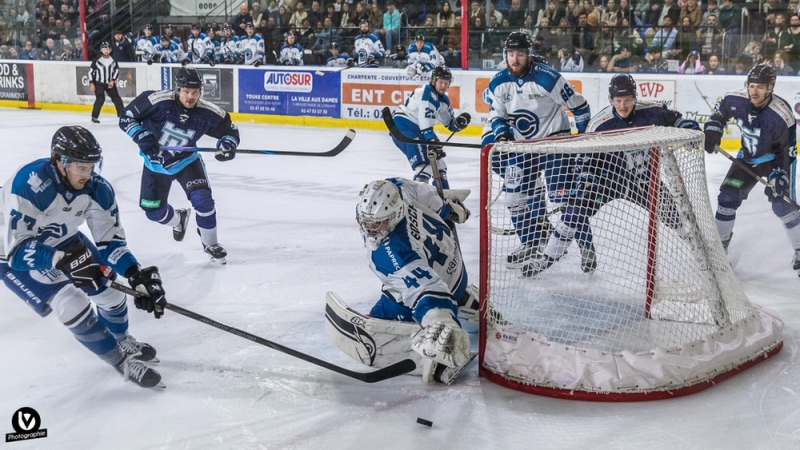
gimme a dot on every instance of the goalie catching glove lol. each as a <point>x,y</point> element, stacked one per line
<point>148,282</point>
<point>440,341</point>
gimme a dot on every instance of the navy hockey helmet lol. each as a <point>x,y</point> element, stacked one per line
<point>188,78</point>
<point>148,27</point>
<point>105,44</point>
<point>195,26</point>
<point>441,73</point>
<point>75,144</point>
<point>249,25</point>
<point>399,48</point>
<point>226,27</point>
<point>165,38</point>
<point>761,74</point>
<point>622,85</point>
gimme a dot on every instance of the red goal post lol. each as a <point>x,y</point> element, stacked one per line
<point>661,316</point>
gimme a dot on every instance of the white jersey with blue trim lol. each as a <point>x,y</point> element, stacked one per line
<point>427,56</point>
<point>291,55</point>
<point>531,106</point>
<point>338,61</point>
<point>146,45</point>
<point>228,48</point>
<point>169,54</point>
<point>425,108</point>
<point>368,45</point>
<point>252,48</point>
<point>40,214</point>
<point>199,47</point>
<point>419,263</point>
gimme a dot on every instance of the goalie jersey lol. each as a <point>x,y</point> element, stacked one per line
<point>424,108</point>
<point>531,106</point>
<point>42,216</point>
<point>161,114</point>
<point>419,262</point>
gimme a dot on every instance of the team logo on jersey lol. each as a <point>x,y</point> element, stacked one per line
<point>172,136</point>
<point>52,230</point>
<point>526,122</point>
<point>37,185</point>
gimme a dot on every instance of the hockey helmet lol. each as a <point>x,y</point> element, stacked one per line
<point>195,26</point>
<point>518,40</point>
<point>226,27</point>
<point>105,44</point>
<point>75,144</point>
<point>441,73</point>
<point>622,85</point>
<point>399,48</point>
<point>761,74</point>
<point>419,37</point>
<point>249,25</point>
<point>380,208</point>
<point>148,27</point>
<point>165,38</point>
<point>188,77</point>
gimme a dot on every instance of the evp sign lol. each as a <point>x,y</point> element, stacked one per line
<point>289,93</point>
<point>657,91</point>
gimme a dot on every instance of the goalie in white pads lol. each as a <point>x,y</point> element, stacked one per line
<point>427,106</point>
<point>413,253</point>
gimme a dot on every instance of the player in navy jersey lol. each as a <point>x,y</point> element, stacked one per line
<point>157,119</point>
<point>425,107</point>
<point>527,100</point>
<point>413,253</point>
<point>610,176</point>
<point>51,265</point>
<point>769,147</point>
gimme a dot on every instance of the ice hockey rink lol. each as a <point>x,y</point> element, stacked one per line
<point>288,224</point>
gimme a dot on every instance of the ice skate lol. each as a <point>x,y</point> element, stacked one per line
<point>95,120</point>
<point>142,351</point>
<point>537,266</point>
<point>726,242</point>
<point>136,371</point>
<point>588,259</point>
<point>179,231</point>
<point>522,254</point>
<point>216,253</point>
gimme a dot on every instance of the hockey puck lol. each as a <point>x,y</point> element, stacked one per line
<point>422,421</point>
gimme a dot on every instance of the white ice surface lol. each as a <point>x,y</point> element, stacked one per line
<point>288,225</point>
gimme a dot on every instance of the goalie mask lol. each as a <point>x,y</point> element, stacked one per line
<point>380,208</point>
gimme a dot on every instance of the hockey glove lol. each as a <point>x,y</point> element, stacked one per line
<point>371,59</point>
<point>713,129</point>
<point>227,149</point>
<point>148,282</point>
<point>80,266</point>
<point>503,136</point>
<point>458,212</point>
<point>688,124</point>
<point>441,339</point>
<point>186,61</point>
<point>437,150</point>
<point>256,63</point>
<point>779,181</point>
<point>588,186</point>
<point>462,121</point>
<point>212,62</point>
<point>351,63</point>
<point>151,149</point>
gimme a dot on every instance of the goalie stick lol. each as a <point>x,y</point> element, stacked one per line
<point>750,172</point>
<point>394,370</point>
<point>348,138</point>
<point>389,121</point>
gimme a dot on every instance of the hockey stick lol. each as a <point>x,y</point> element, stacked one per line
<point>389,121</point>
<point>437,177</point>
<point>348,138</point>
<point>394,370</point>
<point>750,172</point>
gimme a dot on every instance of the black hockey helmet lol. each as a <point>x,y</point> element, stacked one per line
<point>419,37</point>
<point>399,48</point>
<point>249,25</point>
<point>441,73</point>
<point>188,78</point>
<point>362,22</point>
<point>148,27</point>
<point>164,37</point>
<point>226,27</point>
<point>518,40</point>
<point>196,26</point>
<point>105,44</point>
<point>75,144</point>
<point>761,74</point>
<point>622,85</point>
<point>535,57</point>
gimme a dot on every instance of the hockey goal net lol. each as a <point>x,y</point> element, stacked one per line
<point>661,315</point>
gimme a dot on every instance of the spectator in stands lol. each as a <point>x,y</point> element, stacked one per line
<point>693,11</point>
<point>315,14</point>
<point>241,20</point>
<point>603,63</point>
<point>666,38</point>
<point>516,15</point>
<point>793,47</point>
<point>454,39</point>
<point>300,14</point>
<point>48,53</point>
<point>553,12</point>
<point>282,18</point>
<point>654,63</point>
<point>447,14</point>
<point>476,10</point>
<point>653,16</point>
<point>390,30</point>
<point>451,57</point>
<point>344,15</point>
<point>359,13</point>
<point>621,62</point>
<point>714,67</point>
<point>570,61</point>
<point>751,55</point>
<point>687,36</point>
<point>27,51</point>
<point>776,37</point>
<point>327,35</point>
<point>291,5</point>
<point>609,18</point>
<point>671,10</point>
<point>640,12</point>
<point>692,64</point>
<point>780,64</point>
<point>493,12</point>
<point>375,19</point>
<point>542,28</point>
<point>730,16</point>
<point>255,12</point>
<point>583,38</point>
<point>122,49</point>
<point>712,9</point>
<point>710,38</point>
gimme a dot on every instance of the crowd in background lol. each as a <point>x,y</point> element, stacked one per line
<point>685,36</point>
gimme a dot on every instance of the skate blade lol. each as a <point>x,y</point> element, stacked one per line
<point>160,385</point>
<point>221,261</point>
<point>150,361</point>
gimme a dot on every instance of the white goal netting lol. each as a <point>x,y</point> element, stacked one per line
<point>623,290</point>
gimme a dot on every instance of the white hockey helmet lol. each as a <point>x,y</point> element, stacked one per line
<point>380,208</point>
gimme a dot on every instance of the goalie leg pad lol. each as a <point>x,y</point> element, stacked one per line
<point>374,342</point>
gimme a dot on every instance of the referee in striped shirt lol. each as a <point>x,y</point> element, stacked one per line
<point>103,76</point>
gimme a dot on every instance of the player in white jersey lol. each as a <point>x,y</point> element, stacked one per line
<point>413,253</point>
<point>252,46</point>
<point>425,107</point>
<point>47,261</point>
<point>146,43</point>
<point>368,48</point>
<point>422,57</point>
<point>198,47</point>
<point>291,51</point>
<point>337,59</point>
<point>526,101</point>
<point>229,51</point>
<point>166,52</point>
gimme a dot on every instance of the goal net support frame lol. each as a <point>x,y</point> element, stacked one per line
<point>662,316</point>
